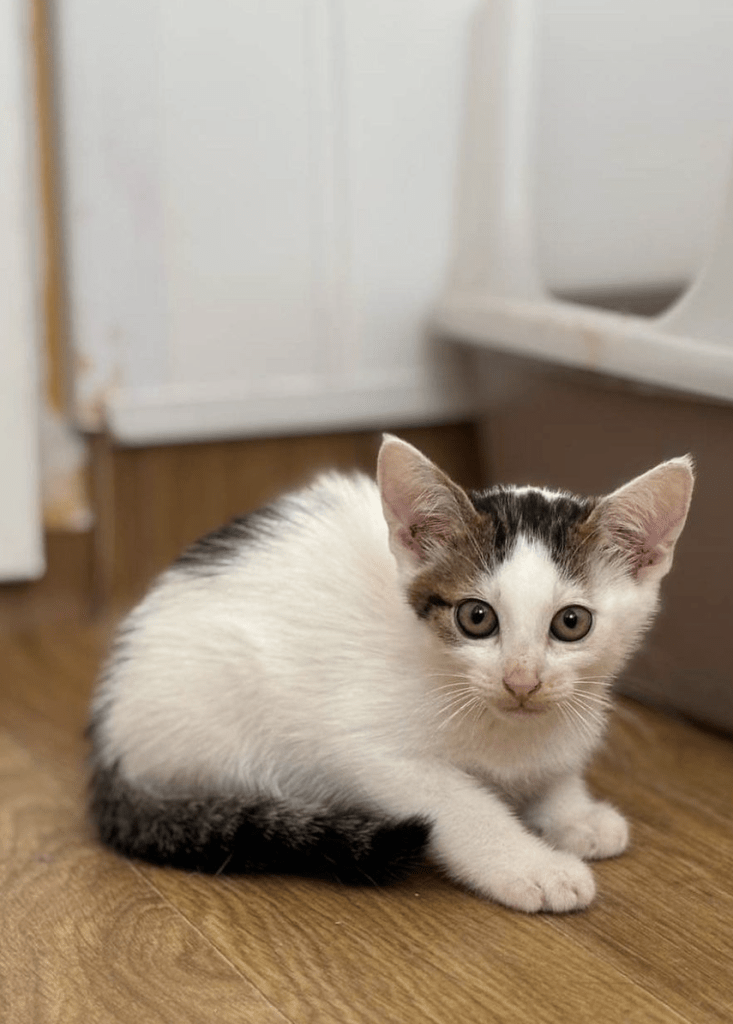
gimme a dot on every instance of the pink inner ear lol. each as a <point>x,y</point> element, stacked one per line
<point>646,552</point>
<point>644,541</point>
<point>421,504</point>
<point>659,534</point>
<point>418,530</point>
<point>645,518</point>
<point>400,503</point>
<point>408,538</point>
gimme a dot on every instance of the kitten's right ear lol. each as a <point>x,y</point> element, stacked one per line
<point>422,506</point>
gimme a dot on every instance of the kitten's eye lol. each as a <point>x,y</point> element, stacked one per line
<point>571,623</point>
<point>476,619</point>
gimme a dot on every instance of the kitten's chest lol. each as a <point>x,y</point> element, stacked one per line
<point>516,762</point>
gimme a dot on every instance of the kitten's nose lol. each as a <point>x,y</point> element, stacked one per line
<point>521,683</point>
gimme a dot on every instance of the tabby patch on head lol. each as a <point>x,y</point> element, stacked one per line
<point>557,522</point>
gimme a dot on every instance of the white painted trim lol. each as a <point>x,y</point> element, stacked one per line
<point>181,412</point>
<point>21,544</point>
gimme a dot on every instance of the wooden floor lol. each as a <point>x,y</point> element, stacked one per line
<point>87,937</point>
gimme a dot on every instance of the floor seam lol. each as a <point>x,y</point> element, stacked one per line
<point>556,926</point>
<point>237,970</point>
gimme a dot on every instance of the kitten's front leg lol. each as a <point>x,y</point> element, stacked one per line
<point>570,819</point>
<point>481,843</point>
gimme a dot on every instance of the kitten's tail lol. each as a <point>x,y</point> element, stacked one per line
<point>229,835</point>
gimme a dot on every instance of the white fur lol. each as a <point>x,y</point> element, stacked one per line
<point>302,671</point>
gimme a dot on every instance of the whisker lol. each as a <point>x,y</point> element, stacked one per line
<point>453,701</point>
<point>601,702</point>
<point>455,681</point>
<point>458,706</point>
<point>444,701</point>
<point>590,722</point>
<point>578,720</point>
<point>592,698</point>
<point>461,709</point>
<point>588,703</point>
<point>450,707</point>
<point>570,720</point>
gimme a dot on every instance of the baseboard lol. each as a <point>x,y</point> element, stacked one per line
<point>63,594</point>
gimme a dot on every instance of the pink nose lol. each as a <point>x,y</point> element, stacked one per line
<point>521,683</point>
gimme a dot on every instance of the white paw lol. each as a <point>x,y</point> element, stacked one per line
<point>598,831</point>
<point>548,881</point>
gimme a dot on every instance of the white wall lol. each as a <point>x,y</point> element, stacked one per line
<point>21,553</point>
<point>258,210</point>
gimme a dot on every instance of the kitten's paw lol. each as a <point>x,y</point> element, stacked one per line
<point>598,832</point>
<point>551,881</point>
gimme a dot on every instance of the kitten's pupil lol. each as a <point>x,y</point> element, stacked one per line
<point>478,614</point>
<point>570,618</point>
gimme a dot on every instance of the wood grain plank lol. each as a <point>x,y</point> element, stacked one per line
<point>47,678</point>
<point>673,758</point>
<point>83,937</point>
<point>422,951</point>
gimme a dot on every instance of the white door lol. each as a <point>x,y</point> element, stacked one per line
<point>21,552</point>
<point>259,203</point>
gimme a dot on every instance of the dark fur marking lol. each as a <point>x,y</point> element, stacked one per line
<point>559,521</point>
<point>212,553</point>
<point>430,603</point>
<point>230,835</point>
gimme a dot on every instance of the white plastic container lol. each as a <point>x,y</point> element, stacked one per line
<point>588,189</point>
<point>632,138</point>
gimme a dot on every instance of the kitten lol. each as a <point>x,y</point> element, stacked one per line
<point>360,673</point>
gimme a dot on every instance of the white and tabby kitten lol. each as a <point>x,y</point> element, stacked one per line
<point>361,673</point>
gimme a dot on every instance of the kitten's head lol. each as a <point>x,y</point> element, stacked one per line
<point>536,598</point>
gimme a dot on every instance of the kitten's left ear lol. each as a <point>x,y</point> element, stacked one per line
<point>422,506</point>
<point>644,519</point>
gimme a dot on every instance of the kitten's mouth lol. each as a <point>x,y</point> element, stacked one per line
<point>523,710</point>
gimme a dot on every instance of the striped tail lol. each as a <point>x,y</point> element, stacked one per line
<point>235,836</point>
